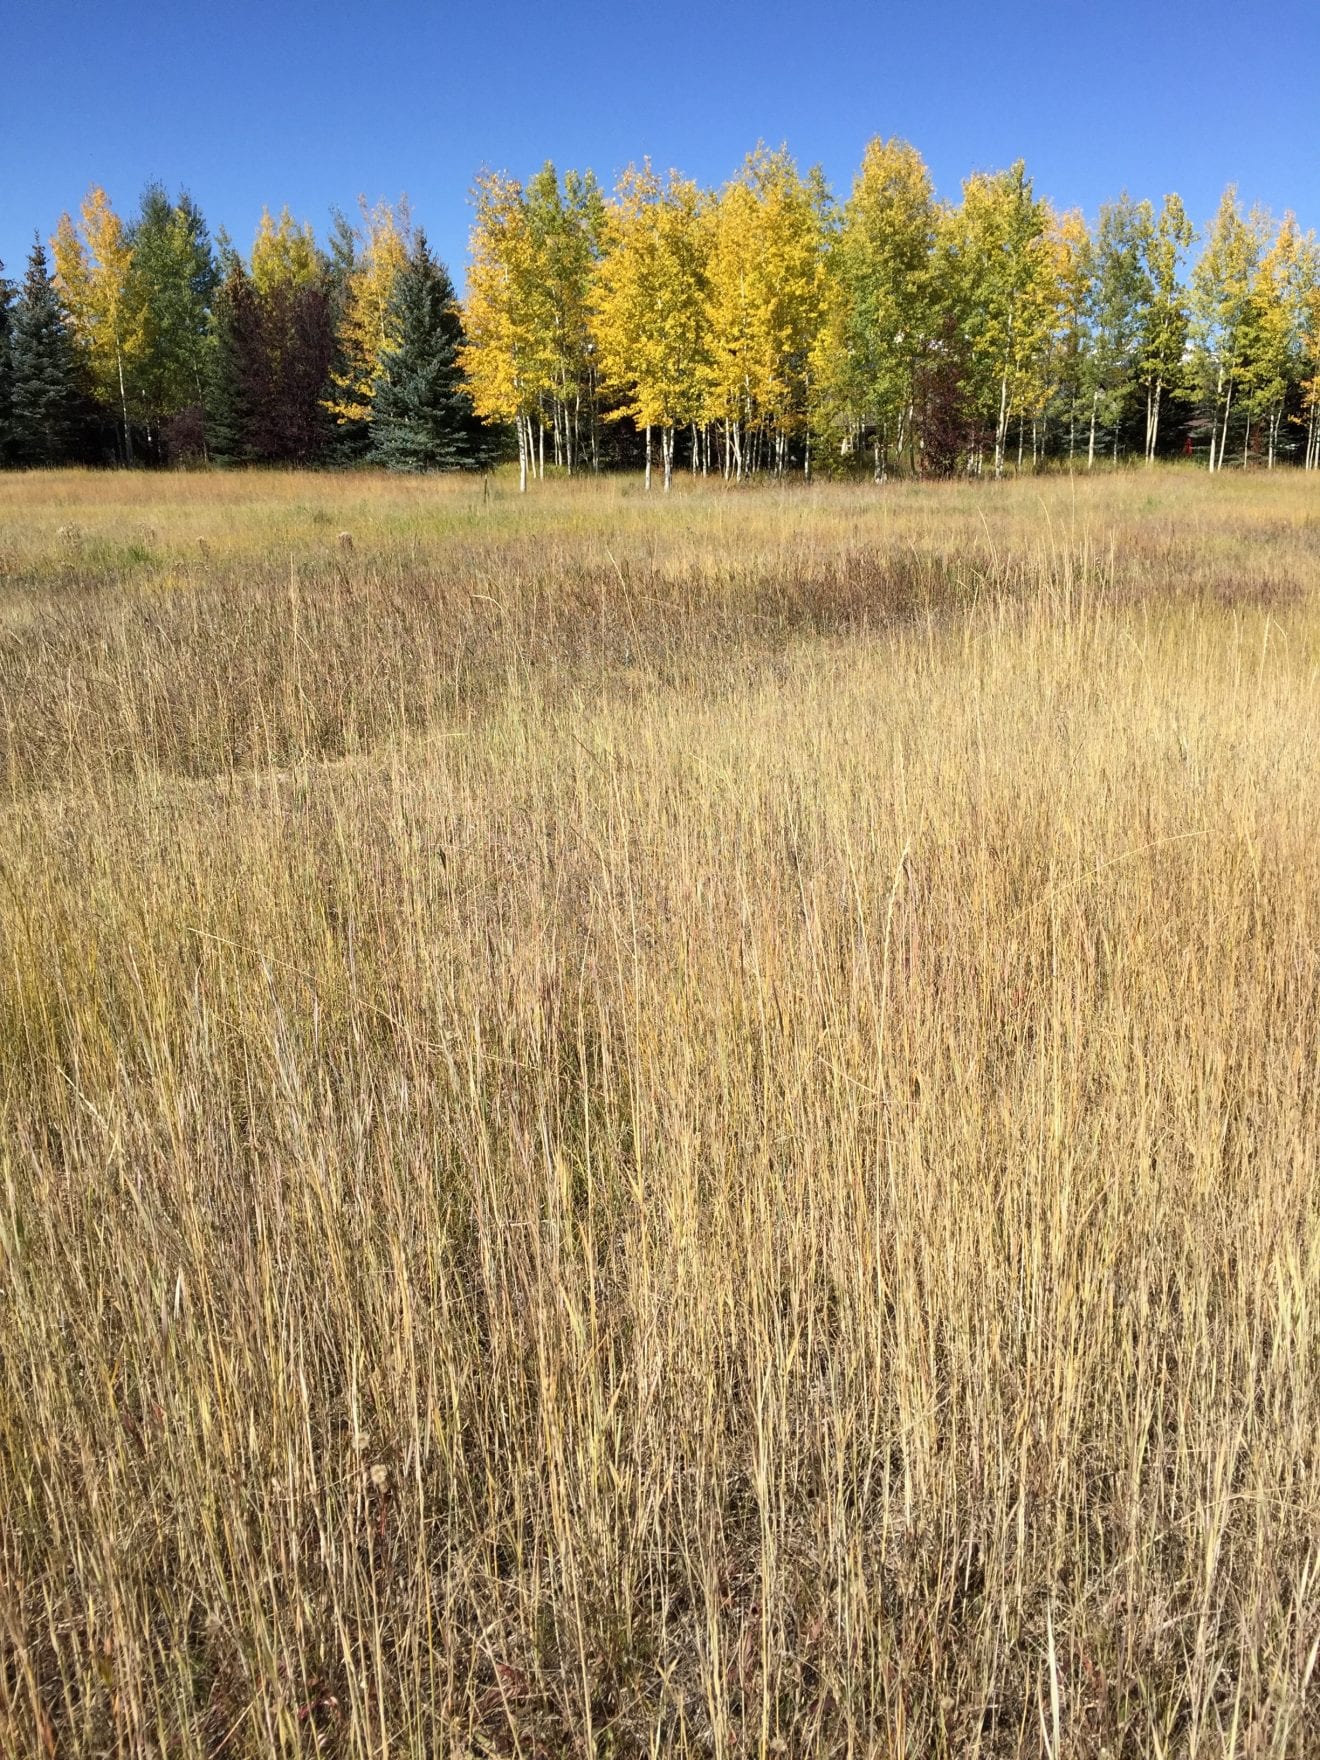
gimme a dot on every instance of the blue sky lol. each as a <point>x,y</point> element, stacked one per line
<point>248,104</point>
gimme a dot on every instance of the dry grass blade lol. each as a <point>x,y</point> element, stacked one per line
<point>638,1129</point>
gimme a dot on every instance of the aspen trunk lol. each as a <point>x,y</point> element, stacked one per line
<point>648,458</point>
<point>1090,445</point>
<point>1001,432</point>
<point>1223,438</point>
<point>667,454</point>
<point>123,404</point>
<point>1214,423</point>
<point>522,457</point>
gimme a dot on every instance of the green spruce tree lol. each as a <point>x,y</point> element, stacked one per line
<point>422,415</point>
<point>234,346</point>
<point>7,297</point>
<point>347,442</point>
<point>44,402</point>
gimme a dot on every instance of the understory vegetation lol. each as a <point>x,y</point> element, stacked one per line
<point>638,1126</point>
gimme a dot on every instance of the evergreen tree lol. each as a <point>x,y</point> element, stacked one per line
<point>272,343</point>
<point>346,442</point>
<point>7,437</point>
<point>299,349</point>
<point>44,386</point>
<point>232,363</point>
<point>291,353</point>
<point>422,415</point>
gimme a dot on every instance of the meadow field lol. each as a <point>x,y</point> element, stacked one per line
<point>639,1126</point>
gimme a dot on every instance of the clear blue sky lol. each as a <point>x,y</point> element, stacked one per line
<point>248,104</point>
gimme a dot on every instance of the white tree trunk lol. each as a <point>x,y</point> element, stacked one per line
<point>1223,437</point>
<point>123,404</point>
<point>1001,432</point>
<point>1153,425</point>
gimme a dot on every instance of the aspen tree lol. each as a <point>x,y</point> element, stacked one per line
<point>93,273</point>
<point>284,255</point>
<point>650,317</point>
<point>1002,276</point>
<point>1275,329</point>
<point>1165,340</point>
<point>1221,293</point>
<point>507,357</point>
<point>1071,240</point>
<point>1120,298</point>
<point>731,375</point>
<point>1309,363</point>
<point>792,213</point>
<point>565,222</point>
<point>766,276</point>
<point>880,300</point>
<point>171,285</point>
<point>363,336</point>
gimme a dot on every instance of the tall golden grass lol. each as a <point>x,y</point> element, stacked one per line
<point>636,1128</point>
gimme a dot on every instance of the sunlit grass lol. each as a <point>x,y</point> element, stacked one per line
<point>659,1128</point>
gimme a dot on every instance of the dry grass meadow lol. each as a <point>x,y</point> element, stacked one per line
<point>641,1128</point>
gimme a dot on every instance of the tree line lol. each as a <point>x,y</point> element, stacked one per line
<point>761,328</point>
<point>143,341</point>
